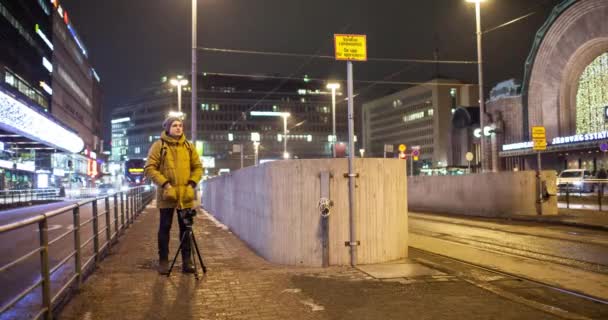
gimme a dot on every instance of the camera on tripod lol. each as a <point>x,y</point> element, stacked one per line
<point>187,215</point>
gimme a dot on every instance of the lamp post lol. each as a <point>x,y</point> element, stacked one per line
<point>482,103</point>
<point>194,92</point>
<point>179,83</point>
<point>284,115</point>
<point>333,86</point>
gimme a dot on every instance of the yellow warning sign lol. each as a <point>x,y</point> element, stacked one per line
<point>538,132</point>
<point>351,47</point>
<point>402,147</point>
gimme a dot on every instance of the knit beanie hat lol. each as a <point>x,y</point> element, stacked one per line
<point>169,121</point>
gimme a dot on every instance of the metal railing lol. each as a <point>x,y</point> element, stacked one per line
<point>13,197</point>
<point>132,202</point>
<point>585,192</point>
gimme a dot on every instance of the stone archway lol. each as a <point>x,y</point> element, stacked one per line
<point>569,45</point>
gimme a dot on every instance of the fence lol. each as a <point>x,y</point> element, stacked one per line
<point>586,194</point>
<point>10,198</point>
<point>126,206</point>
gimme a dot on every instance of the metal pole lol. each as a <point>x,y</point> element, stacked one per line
<point>108,222</point>
<point>540,186</point>
<point>351,166</point>
<point>255,152</point>
<point>45,269</point>
<point>242,156</point>
<point>95,230</point>
<point>179,96</point>
<point>482,103</point>
<point>77,249</point>
<point>284,136</point>
<point>333,121</point>
<point>411,166</point>
<point>194,89</point>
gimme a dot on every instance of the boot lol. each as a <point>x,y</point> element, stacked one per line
<point>163,266</point>
<point>187,265</point>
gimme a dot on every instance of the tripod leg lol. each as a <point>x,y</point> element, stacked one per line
<point>181,243</point>
<point>191,239</point>
<point>200,259</point>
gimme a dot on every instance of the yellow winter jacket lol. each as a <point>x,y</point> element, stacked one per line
<point>174,161</point>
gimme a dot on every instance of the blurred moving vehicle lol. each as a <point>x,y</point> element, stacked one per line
<point>134,172</point>
<point>575,180</point>
<point>106,189</point>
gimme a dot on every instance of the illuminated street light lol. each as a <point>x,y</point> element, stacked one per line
<point>177,114</point>
<point>333,86</point>
<point>179,82</point>
<point>482,103</point>
<point>284,115</point>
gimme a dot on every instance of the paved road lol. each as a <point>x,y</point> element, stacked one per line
<point>17,243</point>
<point>571,258</point>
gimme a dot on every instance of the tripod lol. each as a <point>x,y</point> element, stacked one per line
<point>186,217</point>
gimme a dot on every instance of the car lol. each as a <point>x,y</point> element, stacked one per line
<point>106,189</point>
<point>574,180</point>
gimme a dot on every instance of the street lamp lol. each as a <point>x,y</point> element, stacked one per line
<point>179,83</point>
<point>284,115</point>
<point>333,86</point>
<point>482,103</point>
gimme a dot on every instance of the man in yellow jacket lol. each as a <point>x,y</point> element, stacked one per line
<point>174,166</point>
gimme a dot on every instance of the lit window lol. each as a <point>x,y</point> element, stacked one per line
<point>137,150</point>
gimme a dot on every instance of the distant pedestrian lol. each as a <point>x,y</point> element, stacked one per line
<point>175,167</point>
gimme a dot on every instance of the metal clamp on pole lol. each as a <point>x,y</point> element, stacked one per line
<point>348,175</point>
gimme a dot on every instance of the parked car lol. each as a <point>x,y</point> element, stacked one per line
<point>574,180</point>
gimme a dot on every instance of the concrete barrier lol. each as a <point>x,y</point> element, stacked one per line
<point>497,194</point>
<point>273,207</point>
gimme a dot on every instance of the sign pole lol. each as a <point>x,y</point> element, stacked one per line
<point>351,166</point>
<point>411,165</point>
<point>242,156</point>
<point>540,185</point>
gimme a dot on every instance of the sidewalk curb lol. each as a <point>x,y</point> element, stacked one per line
<point>536,219</point>
<point>559,222</point>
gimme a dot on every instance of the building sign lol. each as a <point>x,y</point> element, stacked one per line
<point>351,47</point>
<point>580,138</point>
<point>539,138</point>
<point>559,140</point>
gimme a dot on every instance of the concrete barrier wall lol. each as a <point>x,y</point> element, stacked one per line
<point>488,194</point>
<point>274,208</point>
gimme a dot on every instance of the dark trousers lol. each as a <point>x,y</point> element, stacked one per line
<point>164,230</point>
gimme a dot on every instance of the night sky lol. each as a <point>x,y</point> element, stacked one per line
<point>132,43</point>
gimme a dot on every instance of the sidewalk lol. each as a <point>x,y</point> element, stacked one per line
<point>581,218</point>
<point>241,285</point>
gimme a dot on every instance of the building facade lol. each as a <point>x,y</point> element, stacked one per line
<point>565,90</point>
<point>33,143</point>
<point>226,122</point>
<point>419,117</point>
<point>76,85</point>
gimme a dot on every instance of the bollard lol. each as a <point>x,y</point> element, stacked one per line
<point>567,195</point>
